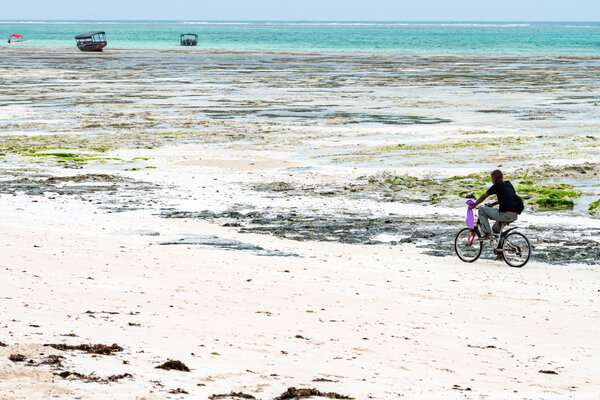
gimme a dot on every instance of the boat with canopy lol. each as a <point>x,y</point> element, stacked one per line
<point>189,39</point>
<point>91,41</point>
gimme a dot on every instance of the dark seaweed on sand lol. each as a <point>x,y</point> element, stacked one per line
<point>292,393</point>
<point>232,395</point>
<point>89,348</point>
<point>462,389</point>
<point>91,378</point>
<point>17,358</point>
<point>547,371</point>
<point>52,360</point>
<point>178,391</point>
<point>175,365</point>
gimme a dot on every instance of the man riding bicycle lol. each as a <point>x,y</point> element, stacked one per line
<point>511,205</point>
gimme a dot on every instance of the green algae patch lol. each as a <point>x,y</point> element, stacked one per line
<point>413,189</point>
<point>71,149</point>
<point>474,132</point>
<point>549,203</point>
<point>90,124</point>
<point>439,146</point>
<point>407,181</point>
<point>595,205</point>
<point>92,147</point>
<point>67,157</point>
<point>494,150</point>
<point>62,157</point>
<point>577,171</point>
<point>548,196</point>
<point>470,147</point>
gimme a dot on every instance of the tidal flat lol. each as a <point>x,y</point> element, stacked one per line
<point>266,224</point>
<point>398,140</point>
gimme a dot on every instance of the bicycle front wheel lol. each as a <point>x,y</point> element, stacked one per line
<point>516,249</point>
<point>467,245</point>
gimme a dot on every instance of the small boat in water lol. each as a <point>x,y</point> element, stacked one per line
<point>91,41</point>
<point>16,38</point>
<point>189,39</point>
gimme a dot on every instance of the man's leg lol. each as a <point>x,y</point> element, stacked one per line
<point>503,217</point>
<point>485,214</point>
<point>496,227</point>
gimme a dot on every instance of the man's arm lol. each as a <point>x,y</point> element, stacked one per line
<point>479,200</point>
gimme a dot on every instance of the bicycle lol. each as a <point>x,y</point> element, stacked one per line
<point>512,246</point>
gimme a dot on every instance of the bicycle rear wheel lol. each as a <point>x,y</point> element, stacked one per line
<point>516,249</point>
<point>467,245</point>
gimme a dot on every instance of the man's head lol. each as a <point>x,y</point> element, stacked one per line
<point>497,176</point>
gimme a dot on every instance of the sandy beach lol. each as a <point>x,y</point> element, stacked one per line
<point>274,220</point>
<point>375,322</point>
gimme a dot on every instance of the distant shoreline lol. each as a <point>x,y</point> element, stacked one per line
<point>416,22</point>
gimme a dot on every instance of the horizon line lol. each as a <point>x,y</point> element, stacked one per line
<point>290,20</point>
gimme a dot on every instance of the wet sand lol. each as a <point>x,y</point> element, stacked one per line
<point>275,220</point>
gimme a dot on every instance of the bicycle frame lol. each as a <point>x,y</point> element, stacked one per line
<point>501,236</point>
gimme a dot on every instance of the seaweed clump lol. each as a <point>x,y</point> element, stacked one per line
<point>434,190</point>
<point>236,395</point>
<point>543,196</point>
<point>17,358</point>
<point>178,391</point>
<point>547,371</point>
<point>92,378</point>
<point>175,365</point>
<point>555,196</point>
<point>52,360</point>
<point>595,205</point>
<point>292,393</point>
<point>89,348</point>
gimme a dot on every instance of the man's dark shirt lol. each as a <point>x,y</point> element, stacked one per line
<point>507,197</point>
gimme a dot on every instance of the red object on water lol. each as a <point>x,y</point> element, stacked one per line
<point>16,35</point>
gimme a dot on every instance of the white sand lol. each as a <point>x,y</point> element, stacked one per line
<point>381,322</point>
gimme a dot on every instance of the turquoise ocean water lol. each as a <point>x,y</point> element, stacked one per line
<point>404,37</point>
